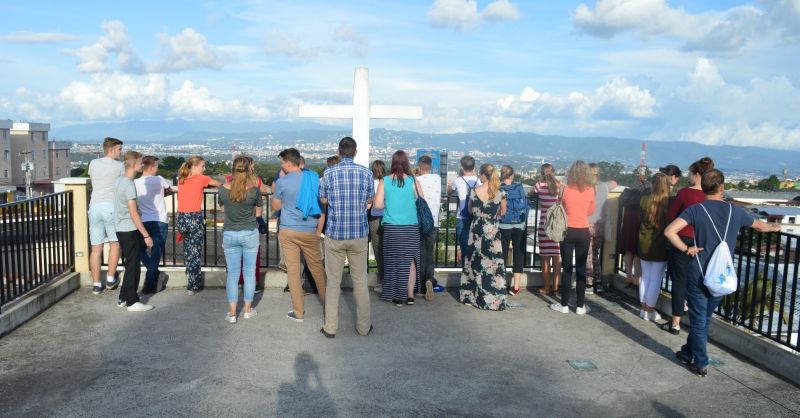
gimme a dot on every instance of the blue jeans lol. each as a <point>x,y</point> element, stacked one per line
<point>462,235</point>
<point>701,306</point>
<point>158,231</point>
<point>241,250</point>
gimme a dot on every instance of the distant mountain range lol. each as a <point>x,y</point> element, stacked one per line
<point>514,147</point>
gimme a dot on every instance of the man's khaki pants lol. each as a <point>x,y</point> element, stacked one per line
<point>294,242</point>
<point>355,251</point>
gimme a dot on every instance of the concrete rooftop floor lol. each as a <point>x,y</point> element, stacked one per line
<point>86,357</point>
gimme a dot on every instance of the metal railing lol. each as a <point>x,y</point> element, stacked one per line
<point>767,298</point>
<point>446,252</point>
<point>36,243</point>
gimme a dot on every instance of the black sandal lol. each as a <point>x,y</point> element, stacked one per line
<point>667,326</point>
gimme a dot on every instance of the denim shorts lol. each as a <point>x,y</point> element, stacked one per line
<point>102,223</point>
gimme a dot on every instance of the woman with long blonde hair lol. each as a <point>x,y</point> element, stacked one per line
<point>189,219</point>
<point>653,244</point>
<point>578,201</point>
<point>483,279</point>
<point>240,197</point>
<point>546,190</point>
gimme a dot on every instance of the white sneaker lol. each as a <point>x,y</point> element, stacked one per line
<point>377,289</point>
<point>231,319</point>
<point>122,304</point>
<point>583,310</point>
<point>139,307</point>
<point>251,314</point>
<point>191,292</point>
<point>653,316</point>
<point>643,314</point>
<point>559,308</point>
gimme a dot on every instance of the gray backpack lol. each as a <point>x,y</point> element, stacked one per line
<point>555,220</point>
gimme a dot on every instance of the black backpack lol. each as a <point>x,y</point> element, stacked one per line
<point>630,197</point>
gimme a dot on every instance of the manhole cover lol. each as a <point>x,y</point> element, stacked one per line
<point>584,365</point>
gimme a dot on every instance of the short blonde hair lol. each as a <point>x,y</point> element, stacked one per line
<point>131,157</point>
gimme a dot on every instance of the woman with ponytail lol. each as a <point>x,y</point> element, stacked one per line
<point>546,191</point>
<point>240,197</point>
<point>189,219</point>
<point>578,201</point>
<point>679,261</point>
<point>483,281</point>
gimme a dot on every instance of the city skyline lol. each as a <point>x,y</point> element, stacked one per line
<point>715,72</point>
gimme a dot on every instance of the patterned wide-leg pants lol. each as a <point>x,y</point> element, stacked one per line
<point>192,227</point>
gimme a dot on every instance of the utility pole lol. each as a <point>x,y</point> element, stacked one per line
<point>27,167</point>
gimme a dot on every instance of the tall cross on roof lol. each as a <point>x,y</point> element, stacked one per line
<point>361,111</point>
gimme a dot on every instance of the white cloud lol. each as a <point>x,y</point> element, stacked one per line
<point>94,58</point>
<point>499,11</point>
<point>463,15</point>
<point>188,50</point>
<point>615,100</point>
<point>283,43</point>
<point>765,134</point>
<point>728,30</point>
<point>26,37</point>
<point>113,95</point>
<point>200,102</point>
<point>359,43</point>
<point>785,15</point>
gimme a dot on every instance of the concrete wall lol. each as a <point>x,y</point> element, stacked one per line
<point>31,137</point>
<point>5,151</point>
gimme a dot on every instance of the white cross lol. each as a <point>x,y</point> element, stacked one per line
<point>361,112</point>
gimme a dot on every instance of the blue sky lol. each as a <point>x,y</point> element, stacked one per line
<point>717,72</point>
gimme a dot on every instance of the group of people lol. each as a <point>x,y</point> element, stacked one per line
<point>351,206</point>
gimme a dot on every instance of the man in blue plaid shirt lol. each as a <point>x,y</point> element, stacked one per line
<point>347,190</point>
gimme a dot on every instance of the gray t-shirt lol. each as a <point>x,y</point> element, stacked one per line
<point>600,203</point>
<point>124,191</point>
<point>240,216</point>
<point>104,173</point>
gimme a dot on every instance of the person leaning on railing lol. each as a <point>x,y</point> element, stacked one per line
<point>189,219</point>
<point>706,217</point>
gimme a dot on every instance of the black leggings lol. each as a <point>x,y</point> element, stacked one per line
<point>517,237</point>
<point>577,242</point>
<point>679,270</point>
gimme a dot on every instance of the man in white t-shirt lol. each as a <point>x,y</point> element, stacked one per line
<point>151,189</point>
<point>103,173</point>
<point>432,190</point>
<point>463,185</point>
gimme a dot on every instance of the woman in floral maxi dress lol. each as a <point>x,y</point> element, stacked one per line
<point>483,282</point>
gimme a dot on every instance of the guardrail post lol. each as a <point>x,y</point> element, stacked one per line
<point>79,186</point>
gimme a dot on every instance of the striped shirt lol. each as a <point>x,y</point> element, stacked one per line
<point>547,247</point>
<point>347,187</point>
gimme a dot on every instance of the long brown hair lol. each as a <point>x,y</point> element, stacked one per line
<point>580,176</point>
<point>186,168</point>
<point>547,175</point>
<point>400,168</point>
<point>242,178</point>
<point>493,176</point>
<point>658,200</point>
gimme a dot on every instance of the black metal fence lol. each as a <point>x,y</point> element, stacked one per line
<point>36,243</point>
<point>766,301</point>
<point>446,253</point>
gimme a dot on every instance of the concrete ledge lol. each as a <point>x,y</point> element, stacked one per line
<point>23,309</point>
<point>275,278</point>
<point>765,353</point>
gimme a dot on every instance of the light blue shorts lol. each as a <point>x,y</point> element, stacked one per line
<point>102,223</point>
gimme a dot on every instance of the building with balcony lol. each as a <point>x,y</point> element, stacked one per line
<point>58,161</point>
<point>29,145</point>
<point>5,150</point>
